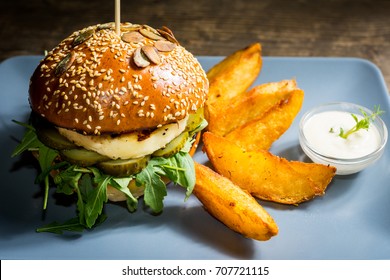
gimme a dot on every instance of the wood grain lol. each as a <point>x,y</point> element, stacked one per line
<point>330,28</point>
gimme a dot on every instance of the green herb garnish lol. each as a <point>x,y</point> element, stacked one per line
<point>364,123</point>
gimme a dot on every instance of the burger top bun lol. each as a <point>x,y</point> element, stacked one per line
<point>96,81</point>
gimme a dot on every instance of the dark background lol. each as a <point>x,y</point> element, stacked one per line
<point>337,28</point>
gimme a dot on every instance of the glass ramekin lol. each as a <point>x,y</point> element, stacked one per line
<point>344,166</point>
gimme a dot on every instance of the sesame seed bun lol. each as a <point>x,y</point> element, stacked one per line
<point>96,81</point>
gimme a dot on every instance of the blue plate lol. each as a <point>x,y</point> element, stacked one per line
<point>351,221</point>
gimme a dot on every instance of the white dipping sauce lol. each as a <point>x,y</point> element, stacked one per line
<point>317,131</point>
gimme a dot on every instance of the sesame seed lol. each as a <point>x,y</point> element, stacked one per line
<point>84,74</point>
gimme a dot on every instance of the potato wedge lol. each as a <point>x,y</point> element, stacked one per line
<point>231,205</point>
<point>320,174</point>
<point>249,106</point>
<point>194,146</point>
<point>231,77</point>
<point>261,133</point>
<point>274,87</point>
<point>261,173</point>
<point>234,74</point>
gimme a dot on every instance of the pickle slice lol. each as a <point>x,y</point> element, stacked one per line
<point>174,146</point>
<point>82,157</point>
<point>50,136</point>
<point>194,120</point>
<point>123,167</point>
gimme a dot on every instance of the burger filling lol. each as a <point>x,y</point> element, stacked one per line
<point>129,165</point>
<point>129,145</point>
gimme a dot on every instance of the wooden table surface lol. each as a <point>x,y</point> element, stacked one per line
<point>330,28</point>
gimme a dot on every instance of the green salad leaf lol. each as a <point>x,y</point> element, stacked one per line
<point>89,184</point>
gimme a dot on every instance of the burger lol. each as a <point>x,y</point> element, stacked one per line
<point>116,114</point>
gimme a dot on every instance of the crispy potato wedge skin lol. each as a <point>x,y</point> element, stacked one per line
<point>232,206</point>
<point>230,78</point>
<point>234,74</point>
<point>320,174</point>
<point>194,146</point>
<point>249,106</point>
<point>274,87</point>
<point>261,133</point>
<point>259,172</point>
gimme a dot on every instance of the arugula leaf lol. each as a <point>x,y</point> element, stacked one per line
<point>46,159</point>
<point>67,181</point>
<point>90,184</point>
<point>180,169</point>
<point>41,177</point>
<point>70,225</point>
<point>29,141</point>
<point>155,188</point>
<point>121,184</point>
<point>96,200</point>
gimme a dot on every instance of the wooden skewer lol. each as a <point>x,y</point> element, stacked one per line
<point>118,17</point>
